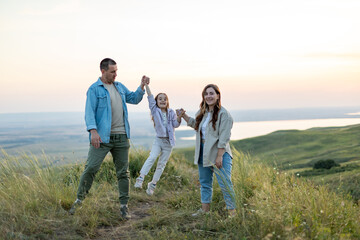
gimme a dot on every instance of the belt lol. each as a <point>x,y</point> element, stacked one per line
<point>116,136</point>
<point>203,140</point>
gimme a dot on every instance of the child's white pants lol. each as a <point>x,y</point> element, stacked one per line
<point>160,146</point>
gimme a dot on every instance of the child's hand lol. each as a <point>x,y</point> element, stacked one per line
<point>145,80</point>
<point>180,112</point>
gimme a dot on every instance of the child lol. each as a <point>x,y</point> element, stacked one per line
<point>165,120</point>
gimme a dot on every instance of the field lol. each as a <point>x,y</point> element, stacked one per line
<point>34,200</point>
<point>295,152</point>
<point>297,149</point>
<point>278,194</point>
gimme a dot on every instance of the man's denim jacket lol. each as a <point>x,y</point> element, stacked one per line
<point>98,108</point>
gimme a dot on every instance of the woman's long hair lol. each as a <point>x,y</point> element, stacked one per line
<point>204,107</point>
<point>167,104</point>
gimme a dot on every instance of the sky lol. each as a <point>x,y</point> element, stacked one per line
<point>263,54</point>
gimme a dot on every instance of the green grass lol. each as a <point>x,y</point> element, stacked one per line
<point>297,149</point>
<point>344,183</point>
<point>296,152</point>
<point>271,204</point>
<point>333,170</point>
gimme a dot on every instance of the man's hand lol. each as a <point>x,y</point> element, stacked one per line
<point>95,138</point>
<point>144,81</point>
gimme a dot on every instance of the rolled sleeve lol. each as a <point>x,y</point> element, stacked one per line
<point>134,97</point>
<point>191,122</point>
<point>90,107</point>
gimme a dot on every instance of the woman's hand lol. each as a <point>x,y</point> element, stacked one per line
<point>182,113</point>
<point>219,158</point>
<point>218,162</point>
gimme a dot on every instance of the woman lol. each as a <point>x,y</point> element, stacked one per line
<point>213,125</point>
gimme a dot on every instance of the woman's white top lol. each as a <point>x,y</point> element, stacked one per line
<point>203,127</point>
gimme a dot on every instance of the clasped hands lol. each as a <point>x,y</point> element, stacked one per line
<point>144,81</point>
<point>180,112</point>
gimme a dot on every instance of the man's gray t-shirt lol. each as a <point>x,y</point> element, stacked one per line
<point>117,111</point>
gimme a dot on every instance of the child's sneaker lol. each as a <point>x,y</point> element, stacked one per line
<point>151,188</point>
<point>139,182</point>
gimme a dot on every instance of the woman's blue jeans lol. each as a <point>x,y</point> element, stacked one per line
<point>223,176</point>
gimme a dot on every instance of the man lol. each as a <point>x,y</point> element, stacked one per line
<point>106,118</point>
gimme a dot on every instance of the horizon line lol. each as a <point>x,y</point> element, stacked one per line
<point>193,110</point>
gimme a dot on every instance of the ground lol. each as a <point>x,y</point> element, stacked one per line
<point>125,229</point>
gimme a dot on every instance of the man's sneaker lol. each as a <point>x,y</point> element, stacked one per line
<point>151,188</point>
<point>232,213</point>
<point>139,182</point>
<point>124,212</point>
<point>200,212</point>
<point>76,205</point>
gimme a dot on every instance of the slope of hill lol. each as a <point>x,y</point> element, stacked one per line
<point>270,204</point>
<point>296,151</point>
<point>292,149</point>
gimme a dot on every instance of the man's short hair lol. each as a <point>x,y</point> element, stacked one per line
<point>104,64</point>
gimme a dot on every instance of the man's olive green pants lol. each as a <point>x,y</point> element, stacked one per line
<point>119,148</point>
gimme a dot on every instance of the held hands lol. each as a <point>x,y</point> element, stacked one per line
<point>144,81</point>
<point>180,112</point>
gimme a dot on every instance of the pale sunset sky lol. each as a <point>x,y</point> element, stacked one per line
<point>261,53</point>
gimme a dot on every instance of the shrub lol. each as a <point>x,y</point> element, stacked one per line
<point>325,164</point>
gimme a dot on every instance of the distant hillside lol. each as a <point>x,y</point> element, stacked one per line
<point>297,149</point>
<point>289,149</point>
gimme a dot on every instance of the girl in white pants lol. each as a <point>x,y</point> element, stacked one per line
<point>165,120</point>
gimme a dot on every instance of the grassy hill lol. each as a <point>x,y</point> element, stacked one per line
<point>34,201</point>
<point>298,149</point>
<point>294,149</point>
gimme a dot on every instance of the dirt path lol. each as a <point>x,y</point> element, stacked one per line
<point>125,229</point>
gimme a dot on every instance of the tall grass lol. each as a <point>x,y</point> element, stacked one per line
<point>29,196</point>
<point>270,204</point>
<point>35,196</point>
<point>283,206</point>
